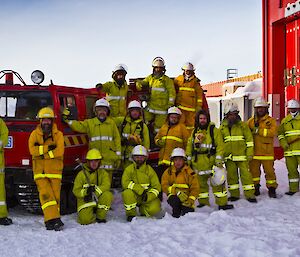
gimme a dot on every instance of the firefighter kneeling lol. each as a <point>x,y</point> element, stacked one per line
<point>141,186</point>
<point>180,184</point>
<point>92,189</point>
<point>46,145</point>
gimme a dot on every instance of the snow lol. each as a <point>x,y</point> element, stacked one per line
<point>268,228</point>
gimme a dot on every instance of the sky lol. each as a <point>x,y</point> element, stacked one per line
<point>79,42</point>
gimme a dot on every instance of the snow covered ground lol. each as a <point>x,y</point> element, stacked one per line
<point>268,228</point>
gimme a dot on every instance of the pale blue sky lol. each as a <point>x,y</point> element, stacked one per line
<point>78,42</point>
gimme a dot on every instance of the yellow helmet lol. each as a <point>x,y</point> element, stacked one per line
<point>93,154</point>
<point>46,113</point>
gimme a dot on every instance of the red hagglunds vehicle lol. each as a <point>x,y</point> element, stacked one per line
<point>19,105</point>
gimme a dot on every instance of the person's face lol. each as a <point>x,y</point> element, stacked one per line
<point>202,120</point>
<point>46,125</point>
<point>173,118</point>
<point>94,164</point>
<point>158,71</point>
<point>232,117</point>
<point>261,111</point>
<point>135,113</point>
<point>120,75</point>
<point>139,159</point>
<point>178,162</point>
<point>101,112</point>
<point>293,110</point>
<point>188,73</point>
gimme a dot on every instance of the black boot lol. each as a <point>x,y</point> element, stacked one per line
<point>257,192</point>
<point>54,224</point>
<point>233,198</point>
<point>226,207</point>
<point>101,220</point>
<point>252,200</point>
<point>130,218</point>
<point>5,221</point>
<point>290,193</point>
<point>272,192</point>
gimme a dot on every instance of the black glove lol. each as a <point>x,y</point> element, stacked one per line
<point>144,196</point>
<point>90,190</point>
<point>51,147</point>
<point>88,198</point>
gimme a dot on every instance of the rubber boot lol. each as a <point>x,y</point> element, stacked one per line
<point>257,192</point>
<point>5,221</point>
<point>272,192</point>
<point>226,207</point>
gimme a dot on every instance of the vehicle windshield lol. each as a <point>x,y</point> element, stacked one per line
<point>23,105</point>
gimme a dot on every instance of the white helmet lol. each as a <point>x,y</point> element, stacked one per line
<point>139,150</point>
<point>178,152</point>
<point>293,104</point>
<point>174,110</point>
<point>134,104</point>
<point>102,102</point>
<point>158,62</point>
<point>120,67</point>
<point>218,176</point>
<point>260,102</point>
<point>231,107</point>
<point>188,66</point>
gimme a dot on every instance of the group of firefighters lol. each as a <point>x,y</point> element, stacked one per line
<point>192,154</point>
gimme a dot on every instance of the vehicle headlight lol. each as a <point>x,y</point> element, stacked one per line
<point>37,77</point>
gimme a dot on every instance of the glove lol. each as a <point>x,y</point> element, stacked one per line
<point>182,196</point>
<point>144,196</point>
<point>138,85</point>
<point>66,114</point>
<point>99,86</point>
<point>90,190</point>
<point>51,147</point>
<point>219,163</point>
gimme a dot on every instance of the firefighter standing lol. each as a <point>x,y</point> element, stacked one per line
<point>180,184</point>
<point>205,150</point>
<point>162,94</point>
<point>4,220</point>
<point>133,131</point>
<point>238,150</point>
<point>116,91</point>
<point>190,97</point>
<point>171,135</point>
<point>46,145</point>
<point>92,189</point>
<point>264,130</point>
<point>140,186</point>
<point>289,138</point>
<point>103,135</point>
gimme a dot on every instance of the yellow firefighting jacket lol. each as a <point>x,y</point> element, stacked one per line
<point>103,136</point>
<point>116,95</point>
<point>185,181</point>
<point>289,135</point>
<point>46,163</point>
<point>189,93</point>
<point>162,94</point>
<point>200,153</point>
<point>140,179</point>
<point>168,138</point>
<point>99,178</point>
<point>263,137</point>
<point>238,141</point>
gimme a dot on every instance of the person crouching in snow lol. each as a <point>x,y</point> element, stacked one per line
<point>140,186</point>
<point>92,189</point>
<point>180,184</point>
